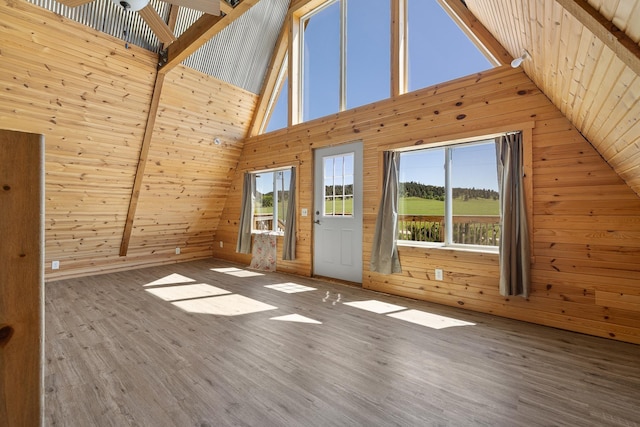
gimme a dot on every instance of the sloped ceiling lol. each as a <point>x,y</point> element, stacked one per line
<point>238,55</point>
<point>572,61</point>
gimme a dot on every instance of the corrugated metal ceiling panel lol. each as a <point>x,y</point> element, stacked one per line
<point>108,17</point>
<point>238,55</point>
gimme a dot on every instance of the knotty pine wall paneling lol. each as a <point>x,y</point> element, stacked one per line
<point>90,97</point>
<point>188,176</point>
<point>585,231</point>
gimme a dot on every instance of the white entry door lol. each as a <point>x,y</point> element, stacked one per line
<point>338,212</point>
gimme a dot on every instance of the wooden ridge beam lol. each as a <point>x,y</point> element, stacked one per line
<point>201,32</point>
<point>615,39</point>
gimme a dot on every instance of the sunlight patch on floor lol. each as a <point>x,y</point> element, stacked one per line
<point>225,269</point>
<point>182,292</point>
<point>290,288</point>
<point>171,279</point>
<point>296,318</point>
<point>429,320</point>
<point>375,306</point>
<point>226,305</point>
<point>237,272</point>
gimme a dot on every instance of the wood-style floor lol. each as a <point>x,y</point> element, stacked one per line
<point>119,355</point>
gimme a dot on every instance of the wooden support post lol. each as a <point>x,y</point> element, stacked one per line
<point>21,278</point>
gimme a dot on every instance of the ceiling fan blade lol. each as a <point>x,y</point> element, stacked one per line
<point>74,3</point>
<point>212,7</point>
<point>157,24</point>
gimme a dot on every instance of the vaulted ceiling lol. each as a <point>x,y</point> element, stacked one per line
<point>584,55</point>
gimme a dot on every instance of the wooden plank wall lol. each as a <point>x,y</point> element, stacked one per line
<point>90,96</point>
<point>21,279</point>
<point>586,228</point>
<point>188,176</point>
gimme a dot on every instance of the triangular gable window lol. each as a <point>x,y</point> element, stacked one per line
<point>438,50</point>
<point>346,60</point>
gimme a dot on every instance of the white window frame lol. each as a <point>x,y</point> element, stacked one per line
<point>274,225</point>
<point>448,207</point>
<point>343,55</point>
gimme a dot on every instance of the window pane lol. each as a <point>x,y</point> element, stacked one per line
<point>368,54</point>
<point>338,184</point>
<point>421,197</point>
<point>328,206</point>
<point>321,63</point>
<point>280,110</point>
<point>263,202</point>
<point>438,49</point>
<point>476,207</point>
<point>283,179</point>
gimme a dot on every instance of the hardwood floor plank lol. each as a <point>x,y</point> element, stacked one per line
<point>118,355</point>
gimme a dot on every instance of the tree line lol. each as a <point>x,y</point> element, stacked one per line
<point>425,191</point>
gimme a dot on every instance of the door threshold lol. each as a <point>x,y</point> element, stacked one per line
<point>338,281</point>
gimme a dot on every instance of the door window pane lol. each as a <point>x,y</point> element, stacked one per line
<point>338,185</point>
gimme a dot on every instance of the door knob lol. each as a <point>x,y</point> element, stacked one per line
<point>317,221</point>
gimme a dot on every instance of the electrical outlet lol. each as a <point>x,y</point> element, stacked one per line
<point>55,265</point>
<point>305,212</point>
<point>221,244</point>
<point>177,251</point>
<point>439,275</point>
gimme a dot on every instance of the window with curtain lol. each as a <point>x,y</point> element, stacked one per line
<point>449,196</point>
<point>271,199</point>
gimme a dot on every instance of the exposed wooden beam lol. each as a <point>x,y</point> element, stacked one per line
<point>157,24</point>
<point>476,31</point>
<point>271,83</point>
<point>171,24</point>
<point>225,7</point>
<point>173,17</point>
<point>199,33</point>
<point>622,45</point>
<point>142,162</point>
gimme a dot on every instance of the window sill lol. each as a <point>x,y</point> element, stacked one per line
<point>269,232</point>
<point>442,246</point>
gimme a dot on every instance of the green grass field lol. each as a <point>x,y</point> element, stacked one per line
<point>419,206</point>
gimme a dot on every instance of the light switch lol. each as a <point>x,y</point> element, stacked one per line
<point>305,212</point>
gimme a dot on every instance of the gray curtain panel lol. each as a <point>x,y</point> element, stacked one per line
<point>244,231</point>
<point>289,245</point>
<point>384,253</point>
<point>515,260</point>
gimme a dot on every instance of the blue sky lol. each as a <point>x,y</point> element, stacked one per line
<point>438,51</point>
<point>427,167</point>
